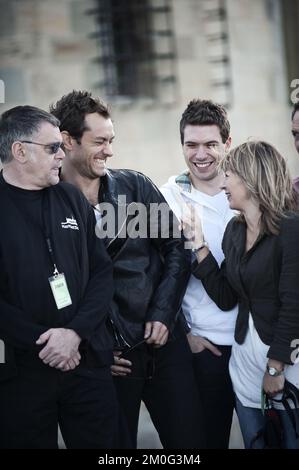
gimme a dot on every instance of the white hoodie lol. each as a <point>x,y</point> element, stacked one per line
<point>202,314</point>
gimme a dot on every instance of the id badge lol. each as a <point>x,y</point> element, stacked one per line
<point>60,291</point>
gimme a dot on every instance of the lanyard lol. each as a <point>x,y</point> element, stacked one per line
<point>45,226</point>
<point>46,230</point>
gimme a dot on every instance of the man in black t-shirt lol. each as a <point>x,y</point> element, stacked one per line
<point>52,312</point>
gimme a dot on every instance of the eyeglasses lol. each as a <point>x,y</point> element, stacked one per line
<point>131,348</point>
<point>54,148</point>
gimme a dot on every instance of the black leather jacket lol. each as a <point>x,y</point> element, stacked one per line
<point>150,273</point>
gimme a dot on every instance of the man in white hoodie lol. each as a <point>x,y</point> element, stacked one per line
<point>205,136</point>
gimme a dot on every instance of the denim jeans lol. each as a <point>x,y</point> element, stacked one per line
<point>291,442</point>
<point>251,421</point>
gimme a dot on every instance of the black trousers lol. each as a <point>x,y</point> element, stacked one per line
<point>163,378</point>
<point>216,394</point>
<point>82,401</point>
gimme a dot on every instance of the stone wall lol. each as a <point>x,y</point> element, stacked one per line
<point>46,52</point>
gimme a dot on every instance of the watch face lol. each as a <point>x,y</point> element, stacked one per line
<point>274,372</point>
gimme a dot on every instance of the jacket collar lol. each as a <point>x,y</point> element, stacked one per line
<point>109,192</point>
<point>108,189</point>
<point>238,238</point>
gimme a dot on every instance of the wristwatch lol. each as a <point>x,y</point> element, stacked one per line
<point>273,371</point>
<point>196,250</point>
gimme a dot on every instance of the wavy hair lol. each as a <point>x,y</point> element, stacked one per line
<point>204,113</point>
<point>72,109</point>
<point>267,178</point>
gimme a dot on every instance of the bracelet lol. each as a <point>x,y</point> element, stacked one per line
<point>196,250</point>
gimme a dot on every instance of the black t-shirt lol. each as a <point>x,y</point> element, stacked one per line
<point>27,304</point>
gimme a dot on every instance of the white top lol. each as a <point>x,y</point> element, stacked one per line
<point>202,314</point>
<point>247,367</point>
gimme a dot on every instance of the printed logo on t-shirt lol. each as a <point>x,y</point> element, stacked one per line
<point>70,223</point>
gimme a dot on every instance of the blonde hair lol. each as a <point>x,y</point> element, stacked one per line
<point>266,176</point>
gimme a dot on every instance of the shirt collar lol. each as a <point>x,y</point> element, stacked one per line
<point>184,182</point>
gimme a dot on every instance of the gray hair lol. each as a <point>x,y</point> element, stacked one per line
<point>21,123</point>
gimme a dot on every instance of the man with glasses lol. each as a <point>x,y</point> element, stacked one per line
<point>53,314</point>
<point>153,361</point>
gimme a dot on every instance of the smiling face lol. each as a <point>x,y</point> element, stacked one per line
<point>236,191</point>
<point>203,148</point>
<point>89,157</point>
